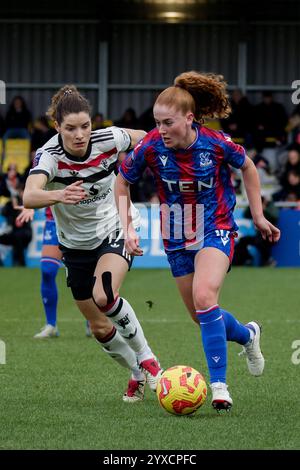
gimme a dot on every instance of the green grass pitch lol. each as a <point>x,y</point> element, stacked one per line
<point>65,393</point>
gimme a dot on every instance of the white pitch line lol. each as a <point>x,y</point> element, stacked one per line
<point>147,320</point>
<point>76,320</point>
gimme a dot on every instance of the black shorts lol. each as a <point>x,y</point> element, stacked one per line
<point>81,265</point>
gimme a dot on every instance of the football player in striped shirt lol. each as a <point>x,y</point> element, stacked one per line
<point>74,174</point>
<point>191,167</point>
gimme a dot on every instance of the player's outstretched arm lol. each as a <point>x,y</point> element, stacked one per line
<point>35,196</point>
<point>122,197</point>
<point>252,185</point>
<point>135,136</point>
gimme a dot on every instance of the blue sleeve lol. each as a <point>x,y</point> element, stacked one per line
<point>234,154</point>
<point>134,164</point>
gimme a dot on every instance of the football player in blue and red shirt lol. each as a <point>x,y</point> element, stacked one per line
<point>191,167</point>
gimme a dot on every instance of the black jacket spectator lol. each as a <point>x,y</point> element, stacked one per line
<point>242,251</point>
<point>18,116</point>
<point>146,120</point>
<point>17,236</point>
<point>270,122</point>
<point>42,132</point>
<point>240,122</point>
<point>128,120</point>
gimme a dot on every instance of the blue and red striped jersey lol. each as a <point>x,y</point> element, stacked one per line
<point>194,184</point>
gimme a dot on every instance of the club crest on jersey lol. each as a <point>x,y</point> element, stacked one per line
<point>205,159</point>
<point>105,164</point>
<point>163,159</point>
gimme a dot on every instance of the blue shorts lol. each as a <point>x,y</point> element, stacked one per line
<point>49,235</point>
<point>182,261</point>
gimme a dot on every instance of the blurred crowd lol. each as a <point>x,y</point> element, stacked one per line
<point>270,135</point>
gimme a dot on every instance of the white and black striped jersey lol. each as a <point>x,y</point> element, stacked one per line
<point>86,224</point>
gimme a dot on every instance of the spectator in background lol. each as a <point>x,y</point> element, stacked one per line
<point>18,120</point>
<point>239,125</point>
<point>292,163</point>
<point>289,177</point>
<point>270,120</point>
<point>146,120</point>
<point>98,122</point>
<point>243,255</point>
<point>267,178</point>
<point>41,133</point>
<point>292,185</point>
<point>128,120</point>
<point>17,235</point>
<point>10,181</point>
<point>293,198</point>
<point>293,126</point>
<point>144,190</point>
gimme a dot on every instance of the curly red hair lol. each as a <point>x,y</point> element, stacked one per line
<point>204,94</point>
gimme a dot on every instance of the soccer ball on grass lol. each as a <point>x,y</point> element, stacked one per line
<point>181,390</point>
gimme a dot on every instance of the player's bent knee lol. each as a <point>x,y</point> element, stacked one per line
<point>100,299</point>
<point>205,299</point>
<point>105,297</point>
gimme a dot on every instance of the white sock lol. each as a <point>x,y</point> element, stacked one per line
<point>144,354</point>
<point>137,374</point>
<point>120,351</point>
<point>124,318</point>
